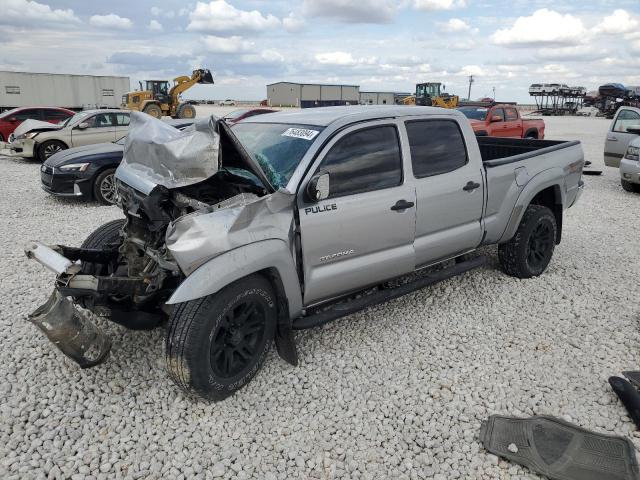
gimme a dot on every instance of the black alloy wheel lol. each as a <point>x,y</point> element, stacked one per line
<point>540,247</point>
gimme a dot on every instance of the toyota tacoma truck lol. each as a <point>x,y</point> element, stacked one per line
<point>242,234</point>
<point>502,121</point>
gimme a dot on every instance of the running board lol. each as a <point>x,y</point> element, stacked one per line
<point>348,307</point>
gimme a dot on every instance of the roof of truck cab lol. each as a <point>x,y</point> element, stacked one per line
<point>323,116</point>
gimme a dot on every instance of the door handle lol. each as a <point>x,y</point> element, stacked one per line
<point>470,186</point>
<point>402,205</point>
<point>612,138</point>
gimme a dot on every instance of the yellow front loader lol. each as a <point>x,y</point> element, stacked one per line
<point>433,94</point>
<point>158,100</point>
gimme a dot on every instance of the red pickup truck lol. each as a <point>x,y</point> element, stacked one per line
<point>502,121</point>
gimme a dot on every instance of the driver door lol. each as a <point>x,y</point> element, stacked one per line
<point>359,235</point>
<point>618,138</point>
<point>101,128</point>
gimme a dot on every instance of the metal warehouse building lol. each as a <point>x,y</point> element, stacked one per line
<point>377,98</point>
<point>24,89</point>
<point>306,95</point>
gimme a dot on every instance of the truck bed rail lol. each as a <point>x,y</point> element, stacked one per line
<point>500,151</point>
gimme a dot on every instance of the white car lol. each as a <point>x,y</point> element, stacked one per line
<point>227,103</point>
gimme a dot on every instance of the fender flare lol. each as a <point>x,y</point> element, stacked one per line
<point>238,263</point>
<point>544,180</point>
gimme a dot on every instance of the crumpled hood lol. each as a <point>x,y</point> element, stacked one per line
<point>83,152</point>
<point>29,125</point>
<point>157,154</point>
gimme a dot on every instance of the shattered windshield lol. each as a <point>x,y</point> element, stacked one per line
<point>278,148</point>
<point>474,113</point>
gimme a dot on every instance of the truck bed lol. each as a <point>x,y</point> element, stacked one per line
<point>499,151</point>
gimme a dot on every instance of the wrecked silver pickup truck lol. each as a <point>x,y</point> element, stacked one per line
<point>286,221</point>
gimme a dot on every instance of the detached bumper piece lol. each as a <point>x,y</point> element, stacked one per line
<point>560,450</point>
<point>71,331</point>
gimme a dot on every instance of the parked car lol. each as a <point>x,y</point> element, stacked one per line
<point>243,113</point>
<point>630,164</point>
<point>618,137</point>
<point>88,172</point>
<point>307,217</point>
<point>227,103</point>
<point>11,119</point>
<point>41,140</point>
<point>502,121</point>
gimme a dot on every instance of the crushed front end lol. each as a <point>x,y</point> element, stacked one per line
<point>124,270</point>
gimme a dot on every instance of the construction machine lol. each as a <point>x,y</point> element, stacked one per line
<point>433,94</point>
<point>158,100</point>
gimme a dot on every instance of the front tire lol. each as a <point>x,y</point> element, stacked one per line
<point>104,187</point>
<point>630,187</point>
<point>530,250</point>
<point>186,110</point>
<point>216,344</point>
<point>49,148</point>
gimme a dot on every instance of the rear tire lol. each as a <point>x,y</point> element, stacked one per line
<point>153,110</point>
<point>216,344</point>
<point>186,110</point>
<point>630,187</point>
<point>49,148</point>
<point>104,187</point>
<point>530,250</point>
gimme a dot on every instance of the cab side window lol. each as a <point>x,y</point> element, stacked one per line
<point>437,147</point>
<point>122,119</point>
<point>28,114</point>
<point>626,118</point>
<point>511,114</point>
<point>498,112</point>
<point>363,161</point>
<point>103,120</point>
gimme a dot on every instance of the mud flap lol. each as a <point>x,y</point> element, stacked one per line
<point>558,449</point>
<point>629,397</point>
<point>285,343</point>
<point>71,331</point>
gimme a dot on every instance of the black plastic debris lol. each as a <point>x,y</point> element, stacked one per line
<point>633,376</point>
<point>629,397</point>
<point>558,449</point>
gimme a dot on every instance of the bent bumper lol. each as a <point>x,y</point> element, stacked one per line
<point>24,148</point>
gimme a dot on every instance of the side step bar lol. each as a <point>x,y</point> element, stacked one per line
<point>348,307</point>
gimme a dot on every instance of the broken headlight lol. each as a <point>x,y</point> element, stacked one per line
<point>633,153</point>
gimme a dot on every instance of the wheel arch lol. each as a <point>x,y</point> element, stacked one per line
<point>544,191</point>
<point>532,133</point>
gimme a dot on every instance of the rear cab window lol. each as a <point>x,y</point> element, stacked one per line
<point>362,161</point>
<point>437,147</point>
<point>511,114</point>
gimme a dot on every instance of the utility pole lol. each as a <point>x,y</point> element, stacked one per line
<point>494,94</point>
<point>470,82</point>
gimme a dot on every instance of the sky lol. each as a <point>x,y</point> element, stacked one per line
<point>381,45</point>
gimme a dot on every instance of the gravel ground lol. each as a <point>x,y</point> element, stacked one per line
<point>397,391</point>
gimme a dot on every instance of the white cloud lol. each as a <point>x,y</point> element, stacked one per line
<point>293,23</point>
<point>110,21</point>
<point>474,70</point>
<point>544,27</point>
<point>219,16</point>
<point>157,12</point>
<point>234,44</point>
<point>566,54</point>
<point>155,26</point>
<point>455,25</point>
<point>266,57</point>
<point>620,21</point>
<point>350,11</point>
<point>343,58</point>
<point>25,12</point>
<point>439,4</point>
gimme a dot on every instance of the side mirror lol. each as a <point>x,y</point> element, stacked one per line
<point>318,187</point>
<point>83,125</point>
<point>634,129</point>
<point>496,118</point>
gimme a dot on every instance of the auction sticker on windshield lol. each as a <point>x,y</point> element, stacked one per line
<point>303,133</point>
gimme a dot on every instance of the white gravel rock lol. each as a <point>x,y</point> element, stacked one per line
<point>396,391</point>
